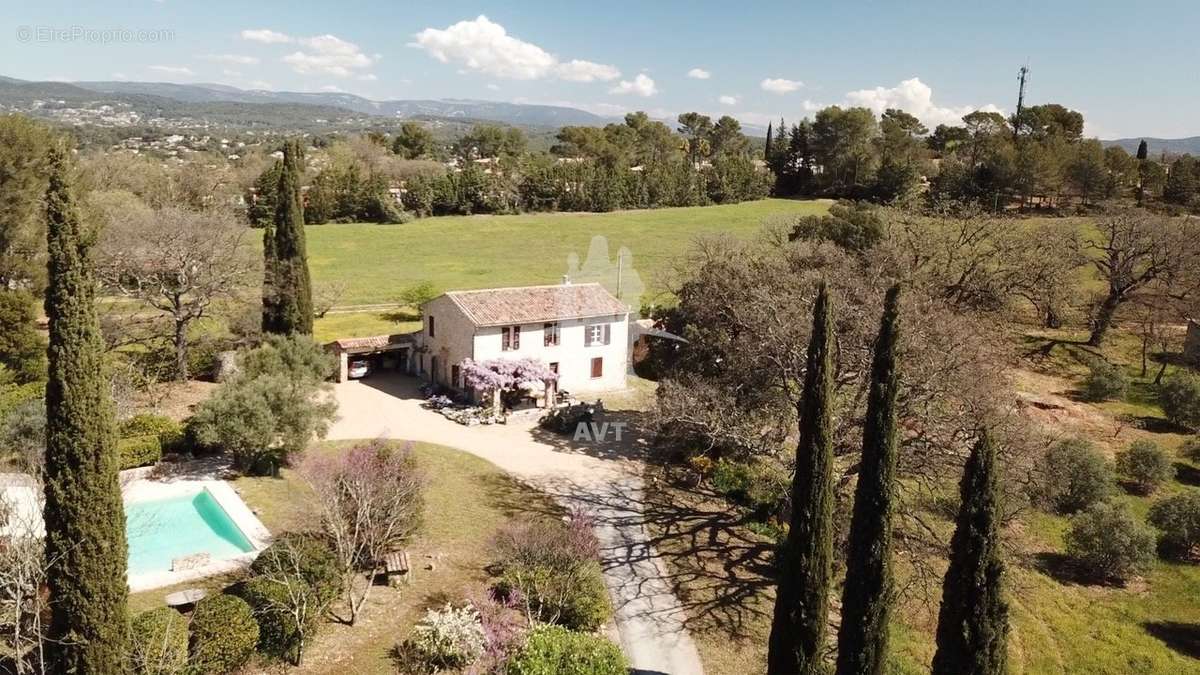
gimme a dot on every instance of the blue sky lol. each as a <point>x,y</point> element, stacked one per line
<point>1131,68</point>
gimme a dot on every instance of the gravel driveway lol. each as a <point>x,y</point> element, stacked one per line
<point>600,477</point>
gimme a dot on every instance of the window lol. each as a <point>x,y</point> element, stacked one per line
<point>597,367</point>
<point>550,334</point>
<point>554,367</point>
<point>455,377</point>
<point>431,326</point>
<point>510,338</point>
<point>596,334</point>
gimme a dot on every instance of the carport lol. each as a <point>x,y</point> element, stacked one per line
<point>386,352</point>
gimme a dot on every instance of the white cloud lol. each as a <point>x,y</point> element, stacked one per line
<point>728,100</point>
<point>332,88</point>
<point>231,73</point>
<point>120,76</point>
<point>779,85</point>
<point>319,54</point>
<point>586,71</point>
<point>485,46</point>
<point>493,86</point>
<point>367,77</point>
<point>914,97</point>
<point>328,55</point>
<point>699,74</point>
<point>265,36</point>
<point>236,59</point>
<point>260,84</point>
<point>641,85</point>
<point>172,70</point>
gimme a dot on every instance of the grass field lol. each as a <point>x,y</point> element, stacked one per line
<point>376,262</point>
<point>455,540</point>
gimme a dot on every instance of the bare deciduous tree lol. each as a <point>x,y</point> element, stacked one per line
<point>1135,251</point>
<point>177,264</point>
<point>371,502</point>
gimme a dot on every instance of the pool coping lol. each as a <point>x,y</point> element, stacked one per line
<point>146,489</point>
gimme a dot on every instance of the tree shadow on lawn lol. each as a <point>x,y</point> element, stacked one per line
<point>1067,571</point>
<point>1187,474</point>
<point>1183,638</point>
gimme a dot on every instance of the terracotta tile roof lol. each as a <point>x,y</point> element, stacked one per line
<point>374,343</point>
<point>533,304</point>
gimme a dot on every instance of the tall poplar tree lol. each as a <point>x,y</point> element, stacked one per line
<point>867,595</point>
<point>287,286</point>
<point>805,561</point>
<point>973,619</point>
<point>84,515</point>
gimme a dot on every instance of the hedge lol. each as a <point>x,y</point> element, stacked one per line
<point>224,634</point>
<point>159,642</point>
<point>168,431</point>
<point>554,650</point>
<point>139,451</point>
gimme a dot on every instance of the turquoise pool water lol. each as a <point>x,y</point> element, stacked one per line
<point>161,530</point>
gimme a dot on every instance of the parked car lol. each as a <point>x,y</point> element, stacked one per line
<point>358,369</point>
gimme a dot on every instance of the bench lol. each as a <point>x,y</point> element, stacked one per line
<point>395,568</point>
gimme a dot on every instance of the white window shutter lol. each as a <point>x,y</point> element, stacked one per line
<point>607,333</point>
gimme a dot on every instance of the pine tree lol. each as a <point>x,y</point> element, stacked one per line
<point>805,561</point>
<point>84,515</point>
<point>973,620</point>
<point>866,598</point>
<point>769,150</point>
<point>288,309</point>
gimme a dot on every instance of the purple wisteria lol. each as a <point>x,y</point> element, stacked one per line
<point>505,374</point>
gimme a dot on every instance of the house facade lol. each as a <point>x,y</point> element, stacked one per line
<point>579,330</point>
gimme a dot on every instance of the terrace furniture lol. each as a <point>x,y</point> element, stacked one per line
<point>186,599</point>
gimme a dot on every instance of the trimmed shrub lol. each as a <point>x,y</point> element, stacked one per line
<point>224,634</point>
<point>574,597</point>
<point>555,569</point>
<point>553,650</point>
<point>159,644</point>
<point>1109,542</point>
<point>1180,399</point>
<point>1073,476</point>
<point>1104,381</point>
<point>1178,518</point>
<point>760,485</point>
<point>294,572</point>
<point>448,638</point>
<point>316,563</point>
<point>168,431</point>
<point>139,451</point>
<point>1146,464</point>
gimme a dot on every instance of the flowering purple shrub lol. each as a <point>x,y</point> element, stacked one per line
<point>505,374</point>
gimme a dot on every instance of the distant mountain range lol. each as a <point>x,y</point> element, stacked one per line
<point>122,103</point>
<point>1155,146</point>
<point>224,104</point>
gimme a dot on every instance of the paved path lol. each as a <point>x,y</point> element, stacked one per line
<point>600,477</point>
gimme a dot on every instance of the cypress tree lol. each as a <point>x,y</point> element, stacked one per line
<point>84,515</point>
<point>805,561</point>
<point>973,619</point>
<point>767,153</point>
<point>288,309</point>
<point>866,598</point>
<point>1143,150</point>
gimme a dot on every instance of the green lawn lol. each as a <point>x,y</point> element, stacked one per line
<point>377,261</point>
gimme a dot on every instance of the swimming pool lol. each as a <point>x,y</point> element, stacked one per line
<point>161,530</point>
